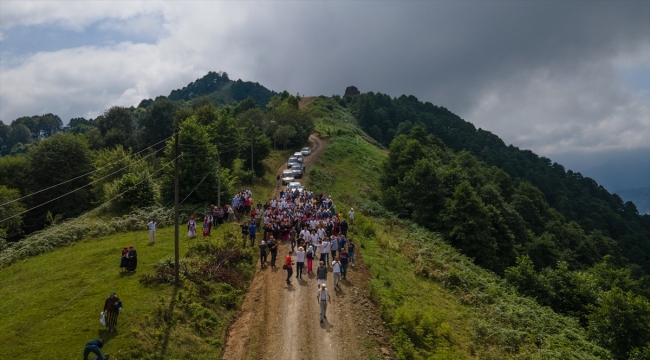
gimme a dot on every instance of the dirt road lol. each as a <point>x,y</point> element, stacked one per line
<point>280,321</point>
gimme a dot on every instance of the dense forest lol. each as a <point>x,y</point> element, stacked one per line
<point>551,234</point>
<point>577,198</point>
<point>121,160</point>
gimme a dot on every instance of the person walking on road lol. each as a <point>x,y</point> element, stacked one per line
<point>344,227</point>
<point>263,248</point>
<point>309,254</point>
<point>273,246</point>
<point>343,258</point>
<point>152,231</point>
<point>351,246</point>
<point>252,227</point>
<point>334,245</point>
<point>327,247</point>
<point>351,216</point>
<point>336,269</point>
<point>321,274</point>
<point>323,297</point>
<point>287,264</point>
<point>300,262</point>
<point>292,238</point>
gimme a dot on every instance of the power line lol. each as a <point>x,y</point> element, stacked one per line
<point>77,189</point>
<point>86,174</point>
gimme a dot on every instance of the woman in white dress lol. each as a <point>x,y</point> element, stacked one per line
<point>191,228</point>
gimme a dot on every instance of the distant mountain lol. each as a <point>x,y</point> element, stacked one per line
<point>639,196</point>
<point>221,90</point>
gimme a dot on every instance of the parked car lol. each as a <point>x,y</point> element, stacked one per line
<point>305,151</point>
<point>292,160</point>
<point>296,170</point>
<point>298,155</point>
<point>294,186</point>
<point>287,176</point>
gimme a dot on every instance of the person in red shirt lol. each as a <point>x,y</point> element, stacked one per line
<point>287,265</point>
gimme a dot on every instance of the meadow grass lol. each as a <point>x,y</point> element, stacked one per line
<point>51,302</point>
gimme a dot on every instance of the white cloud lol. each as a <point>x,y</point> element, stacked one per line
<point>534,91</point>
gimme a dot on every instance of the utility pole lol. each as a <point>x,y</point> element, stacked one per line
<point>219,174</point>
<point>178,153</point>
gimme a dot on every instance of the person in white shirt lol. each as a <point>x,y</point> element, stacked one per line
<point>321,233</point>
<point>152,231</point>
<point>351,216</point>
<point>300,262</point>
<point>327,247</point>
<point>314,238</point>
<point>323,297</point>
<point>336,269</point>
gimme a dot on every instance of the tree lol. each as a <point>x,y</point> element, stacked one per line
<point>48,125</point>
<point>197,165</point>
<point>55,160</point>
<point>621,322</point>
<point>261,149</point>
<point>245,105</point>
<point>286,114</point>
<point>158,122</point>
<point>228,138</point>
<point>12,228</point>
<point>283,134</point>
<point>117,126</point>
<point>130,192</point>
<point>13,172</point>
<point>108,163</point>
<point>421,197</point>
<point>19,134</point>
<point>469,228</point>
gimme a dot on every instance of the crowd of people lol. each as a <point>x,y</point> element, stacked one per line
<point>313,228</point>
<point>310,223</point>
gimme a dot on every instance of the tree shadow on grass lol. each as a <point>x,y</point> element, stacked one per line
<point>168,323</point>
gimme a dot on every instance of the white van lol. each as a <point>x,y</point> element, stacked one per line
<point>298,155</point>
<point>287,176</point>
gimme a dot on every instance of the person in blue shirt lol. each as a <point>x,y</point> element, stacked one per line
<point>94,347</point>
<point>251,231</point>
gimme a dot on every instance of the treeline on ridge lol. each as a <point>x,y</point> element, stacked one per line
<point>575,197</point>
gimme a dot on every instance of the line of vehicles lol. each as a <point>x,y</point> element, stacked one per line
<point>295,169</point>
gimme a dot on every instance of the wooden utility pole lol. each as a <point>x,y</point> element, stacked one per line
<point>178,153</point>
<point>219,183</point>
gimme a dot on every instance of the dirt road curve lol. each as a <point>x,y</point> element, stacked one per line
<point>280,321</point>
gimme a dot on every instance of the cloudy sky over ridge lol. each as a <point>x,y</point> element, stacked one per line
<point>569,80</point>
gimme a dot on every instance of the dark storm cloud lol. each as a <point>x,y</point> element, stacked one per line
<point>543,75</point>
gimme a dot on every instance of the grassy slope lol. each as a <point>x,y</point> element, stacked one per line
<point>51,303</point>
<point>436,301</point>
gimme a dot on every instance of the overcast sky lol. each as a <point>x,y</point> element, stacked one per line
<point>567,79</point>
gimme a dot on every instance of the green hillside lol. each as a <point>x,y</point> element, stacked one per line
<point>575,197</point>
<point>439,304</point>
<point>52,301</point>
